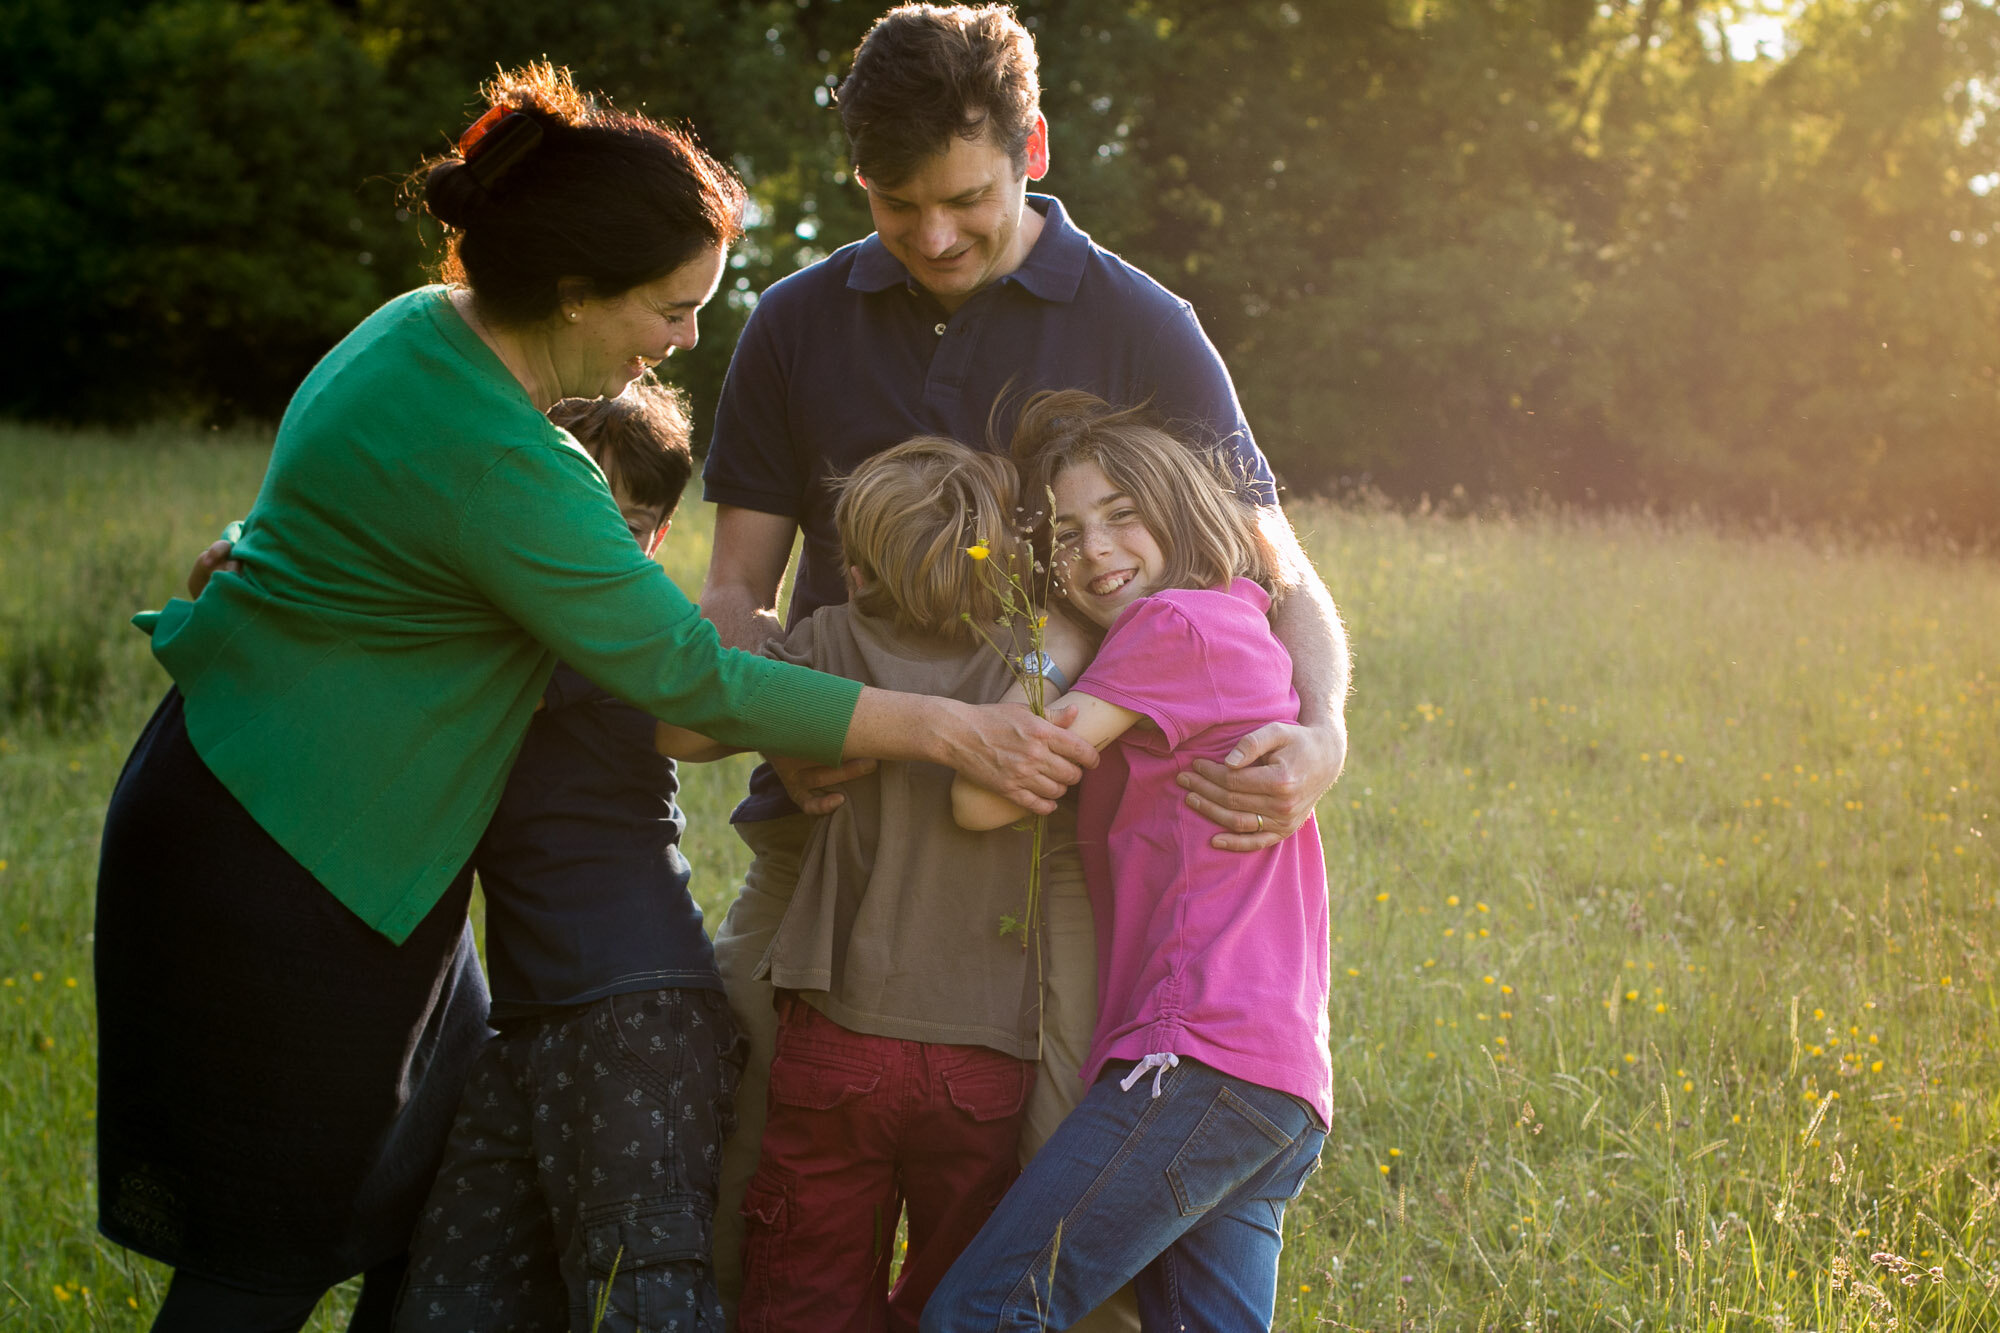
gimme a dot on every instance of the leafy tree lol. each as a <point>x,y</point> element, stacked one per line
<point>203,201</point>
<point>1802,312</point>
<point>735,71</point>
<point>1519,246</point>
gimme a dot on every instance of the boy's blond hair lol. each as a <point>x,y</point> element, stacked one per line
<point>906,518</point>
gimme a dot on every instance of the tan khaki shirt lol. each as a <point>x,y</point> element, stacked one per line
<point>895,928</point>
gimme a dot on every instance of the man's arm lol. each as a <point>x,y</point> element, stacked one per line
<point>746,572</point>
<point>1267,786</point>
<point>1278,771</point>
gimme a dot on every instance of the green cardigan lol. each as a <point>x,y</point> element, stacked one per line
<point>425,545</point>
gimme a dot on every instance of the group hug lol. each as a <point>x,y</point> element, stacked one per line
<point>1048,630</point>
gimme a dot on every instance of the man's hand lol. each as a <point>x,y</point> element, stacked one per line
<point>811,786</point>
<point>1265,788</point>
<point>746,568</point>
<point>206,565</point>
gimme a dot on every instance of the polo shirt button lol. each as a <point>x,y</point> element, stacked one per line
<point>940,330</point>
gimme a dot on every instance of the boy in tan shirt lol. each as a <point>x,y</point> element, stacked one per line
<point>908,1024</point>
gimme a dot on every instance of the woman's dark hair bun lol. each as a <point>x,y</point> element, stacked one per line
<point>452,193</point>
<point>548,190</point>
<point>486,153</point>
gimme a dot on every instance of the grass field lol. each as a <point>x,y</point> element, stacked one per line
<point>1664,889</point>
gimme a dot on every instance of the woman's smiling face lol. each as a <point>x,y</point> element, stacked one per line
<point>613,341</point>
<point>1106,556</point>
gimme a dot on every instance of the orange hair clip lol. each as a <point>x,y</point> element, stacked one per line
<point>481,127</point>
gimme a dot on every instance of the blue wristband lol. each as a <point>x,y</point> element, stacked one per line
<point>1041,664</point>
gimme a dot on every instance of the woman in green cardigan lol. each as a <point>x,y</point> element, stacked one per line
<point>287,988</point>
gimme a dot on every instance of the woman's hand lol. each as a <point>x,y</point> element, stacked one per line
<point>1006,749</point>
<point>1089,719</point>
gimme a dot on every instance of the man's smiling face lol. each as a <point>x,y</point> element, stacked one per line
<point>960,220</point>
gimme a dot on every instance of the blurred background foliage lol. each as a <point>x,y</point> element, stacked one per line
<point>1590,251</point>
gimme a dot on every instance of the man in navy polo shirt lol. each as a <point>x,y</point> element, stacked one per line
<point>970,295</point>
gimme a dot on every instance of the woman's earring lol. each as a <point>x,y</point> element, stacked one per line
<point>574,316</point>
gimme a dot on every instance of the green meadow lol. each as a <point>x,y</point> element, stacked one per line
<point>1664,885</point>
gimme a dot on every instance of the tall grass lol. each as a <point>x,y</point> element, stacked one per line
<point>1664,894</point>
<point>1664,891</point>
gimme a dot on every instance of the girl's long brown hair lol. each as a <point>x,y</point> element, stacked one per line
<point>1208,533</point>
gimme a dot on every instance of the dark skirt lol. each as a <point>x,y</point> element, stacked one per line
<point>275,1079</point>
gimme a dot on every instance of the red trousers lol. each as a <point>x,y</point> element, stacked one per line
<point>861,1127</point>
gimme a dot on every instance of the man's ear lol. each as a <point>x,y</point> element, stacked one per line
<point>1037,148</point>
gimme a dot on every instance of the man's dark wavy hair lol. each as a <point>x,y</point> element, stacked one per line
<point>927,73</point>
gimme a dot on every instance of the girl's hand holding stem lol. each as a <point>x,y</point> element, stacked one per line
<point>980,805</point>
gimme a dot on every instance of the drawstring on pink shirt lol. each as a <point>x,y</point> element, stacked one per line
<point>1159,1064</point>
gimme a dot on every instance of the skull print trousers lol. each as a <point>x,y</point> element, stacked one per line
<point>580,1175</point>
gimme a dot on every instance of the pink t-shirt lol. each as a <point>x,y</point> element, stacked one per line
<point>1216,956</point>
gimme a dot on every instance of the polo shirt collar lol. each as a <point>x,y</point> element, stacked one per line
<point>1053,269</point>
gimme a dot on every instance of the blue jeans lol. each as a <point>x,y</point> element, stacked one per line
<point>1182,1194</point>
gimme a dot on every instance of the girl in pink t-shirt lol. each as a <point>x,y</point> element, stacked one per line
<point>1210,1085</point>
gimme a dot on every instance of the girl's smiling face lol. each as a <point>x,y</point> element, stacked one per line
<point>1105,554</point>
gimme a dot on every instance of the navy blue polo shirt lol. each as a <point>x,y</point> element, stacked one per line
<point>850,356</point>
<point>586,888</point>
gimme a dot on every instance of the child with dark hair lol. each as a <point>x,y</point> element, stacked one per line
<point>587,1138</point>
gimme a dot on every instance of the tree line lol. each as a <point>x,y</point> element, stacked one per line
<point>1519,247</point>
